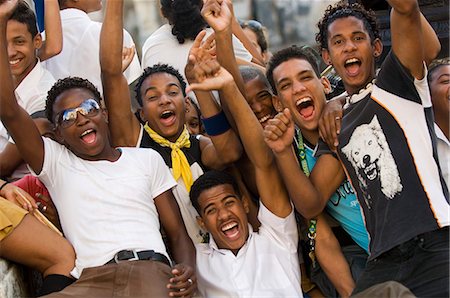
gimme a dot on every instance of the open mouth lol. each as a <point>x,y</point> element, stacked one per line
<point>352,66</point>
<point>371,171</point>
<point>305,107</point>
<point>89,136</point>
<point>167,117</point>
<point>264,119</point>
<point>231,230</point>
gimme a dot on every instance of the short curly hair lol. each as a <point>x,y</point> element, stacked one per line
<point>63,85</point>
<point>185,18</point>
<point>209,180</point>
<point>342,9</point>
<point>293,52</point>
<point>158,68</point>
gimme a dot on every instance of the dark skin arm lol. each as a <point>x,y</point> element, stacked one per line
<point>123,125</point>
<point>180,245</point>
<point>308,195</point>
<point>19,124</point>
<point>221,150</point>
<point>409,42</point>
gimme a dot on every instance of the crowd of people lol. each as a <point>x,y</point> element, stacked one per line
<point>238,175</point>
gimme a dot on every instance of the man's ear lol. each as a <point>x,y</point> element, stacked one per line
<point>326,85</point>
<point>105,114</point>
<point>37,41</point>
<point>201,223</point>
<point>377,46</point>
<point>277,103</point>
<point>326,57</point>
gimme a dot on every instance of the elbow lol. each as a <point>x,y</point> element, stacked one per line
<point>55,50</point>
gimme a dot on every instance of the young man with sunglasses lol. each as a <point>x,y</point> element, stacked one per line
<point>111,201</point>
<point>386,146</point>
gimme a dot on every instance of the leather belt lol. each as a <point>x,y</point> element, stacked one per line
<point>132,255</point>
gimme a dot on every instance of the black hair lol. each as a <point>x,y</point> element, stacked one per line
<point>63,85</point>
<point>25,15</point>
<point>259,31</point>
<point>209,180</point>
<point>158,68</point>
<point>342,9</point>
<point>292,52</point>
<point>435,65</point>
<point>249,73</point>
<point>185,18</point>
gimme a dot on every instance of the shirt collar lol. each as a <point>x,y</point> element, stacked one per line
<point>32,79</point>
<point>73,13</point>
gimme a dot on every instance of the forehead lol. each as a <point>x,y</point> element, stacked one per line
<point>215,194</point>
<point>345,26</point>
<point>159,80</point>
<point>290,68</point>
<point>440,70</point>
<point>15,28</point>
<point>71,98</point>
<point>254,86</point>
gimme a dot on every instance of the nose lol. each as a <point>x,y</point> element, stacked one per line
<point>256,107</point>
<point>81,119</point>
<point>164,99</point>
<point>11,49</point>
<point>298,87</point>
<point>224,214</point>
<point>366,159</point>
<point>349,46</point>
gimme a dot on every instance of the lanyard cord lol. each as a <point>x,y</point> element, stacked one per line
<point>312,222</point>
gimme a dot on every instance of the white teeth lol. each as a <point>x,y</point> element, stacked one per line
<point>352,60</point>
<point>302,100</point>
<point>264,119</point>
<point>13,62</point>
<point>229,226</point>
<point>86,132</point>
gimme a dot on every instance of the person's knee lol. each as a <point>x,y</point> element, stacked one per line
<point>63,261</point>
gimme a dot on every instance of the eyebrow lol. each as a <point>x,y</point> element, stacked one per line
<point>223,199</point>
<point>168,85</point>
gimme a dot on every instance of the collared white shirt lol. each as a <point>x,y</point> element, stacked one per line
<point>81,49</point>
<point>31,95</point>
<point>443,149</point>
<point>266,266</point>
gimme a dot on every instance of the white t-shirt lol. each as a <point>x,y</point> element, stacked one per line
<point>443,148</point>
<point>81,49</point>
<point>163,47</point>
<point>266,266</point>
<point>106,206</point>
<point>31,95</point>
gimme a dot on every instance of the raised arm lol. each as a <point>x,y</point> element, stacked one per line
<point>123,125</point>
<point>53,43</point>
<point>308,195</point>
<point>16,120</point>
<point>408,35</point>
<point>271,189</point>
<point>222,149</point>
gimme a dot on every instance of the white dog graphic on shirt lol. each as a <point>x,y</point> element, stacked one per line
<point>371,157</point>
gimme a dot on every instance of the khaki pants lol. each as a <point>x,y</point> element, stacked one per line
<point>144,278</point>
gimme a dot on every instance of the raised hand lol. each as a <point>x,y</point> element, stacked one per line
<point>7,8</point>
<point>200,51</point>
<point>217,14</point>
<point>330,123</point>
<point>279,132</point>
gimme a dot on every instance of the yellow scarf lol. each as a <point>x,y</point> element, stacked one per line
<point>180,164</point>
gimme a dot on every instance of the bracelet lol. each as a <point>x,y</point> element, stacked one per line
<point>216,125</point>
<point>3,185</point>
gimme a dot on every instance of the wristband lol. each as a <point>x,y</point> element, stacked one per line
<point>3,185</point>
<point>216,125</point>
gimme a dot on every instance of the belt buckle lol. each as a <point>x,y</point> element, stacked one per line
<point>134,258</point>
